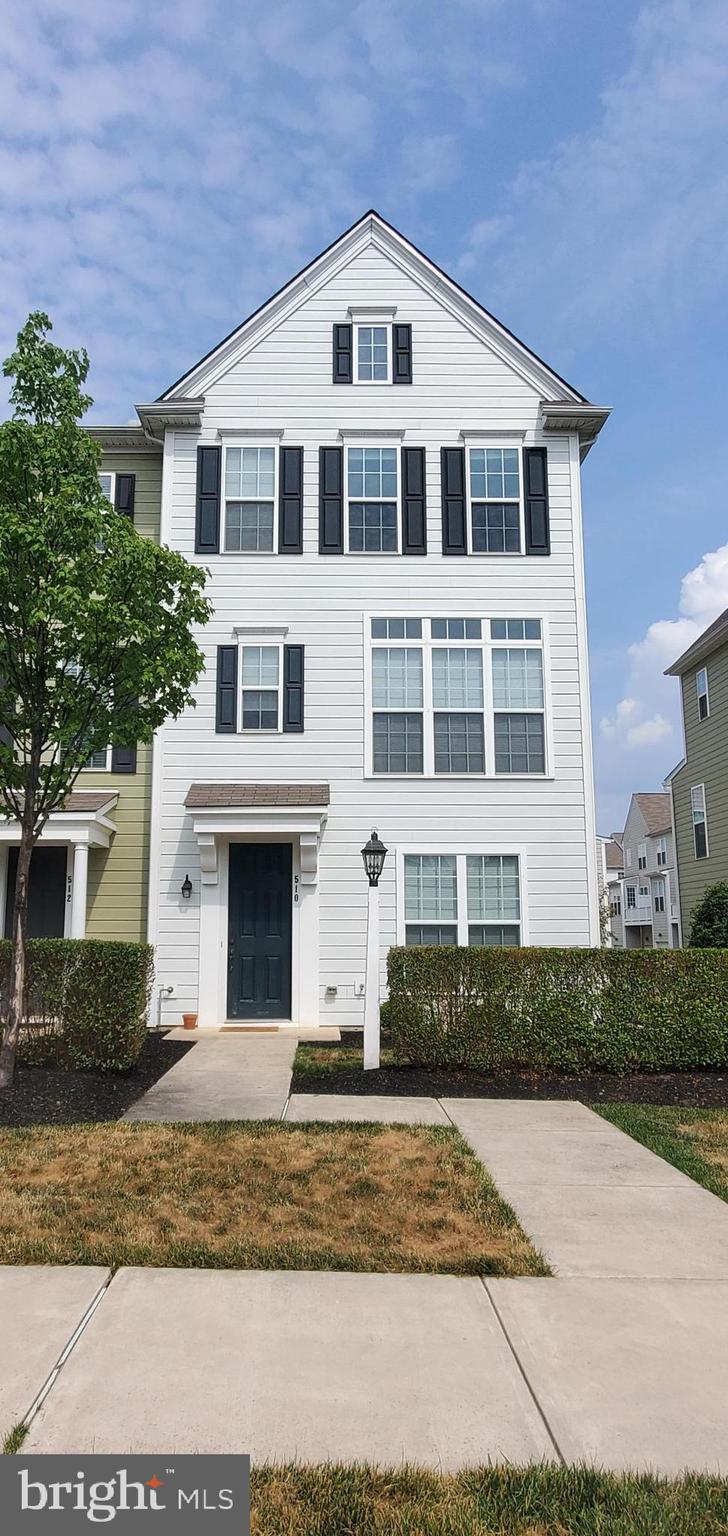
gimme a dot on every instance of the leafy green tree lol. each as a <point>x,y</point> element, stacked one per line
<point>709,927</point>
<point>96,622</point>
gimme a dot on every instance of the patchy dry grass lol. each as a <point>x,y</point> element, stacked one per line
<point>489,1501</point>
<point>693,1140</point>
<point>255,1196</point>
<point>313,1060</point>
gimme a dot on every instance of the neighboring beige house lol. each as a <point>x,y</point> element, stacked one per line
<point>90,871</point>
<point>643,901</point>
<point>699,783</point>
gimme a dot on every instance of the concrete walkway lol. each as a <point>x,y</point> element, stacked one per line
<point>224,1077</point>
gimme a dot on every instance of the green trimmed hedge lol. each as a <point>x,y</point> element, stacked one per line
<point>86,1002</point>
<point>563,1009</point>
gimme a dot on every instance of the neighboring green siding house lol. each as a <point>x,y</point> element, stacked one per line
<point>699,784</point>
<point>90,870</point>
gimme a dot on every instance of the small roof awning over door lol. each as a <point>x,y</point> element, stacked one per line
<point>221,811</point>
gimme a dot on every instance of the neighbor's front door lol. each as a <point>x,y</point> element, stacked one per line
<point>46,893</point>
<point>259,931</point>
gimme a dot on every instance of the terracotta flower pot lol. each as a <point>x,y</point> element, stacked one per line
<point>189,1020</point>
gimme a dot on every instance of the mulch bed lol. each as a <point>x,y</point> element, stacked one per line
<point>48,1096</point>
<point>699,1090</point>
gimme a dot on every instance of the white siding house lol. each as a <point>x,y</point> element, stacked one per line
<point>358,675</point>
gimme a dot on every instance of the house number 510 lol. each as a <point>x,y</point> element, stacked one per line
<point>295,890</point>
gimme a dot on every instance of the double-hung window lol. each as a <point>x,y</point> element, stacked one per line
<point>457,696</point>
<point>642,856</point>
<point>101,761</point>
<point>699,819</point>
<point>658,894</point>
<point>462,899</point>
<point>661,852</point>
<point>631,896</point>
<point>430,898</point>
<point>701,685</point>
<point>260,673</point>
<point>250,499</point>
<point>518,696</point>
<point>494,493</point>
<point>372,490</point>
<point>397,696</point>
<point>373,363</point>
<point>107,482</point>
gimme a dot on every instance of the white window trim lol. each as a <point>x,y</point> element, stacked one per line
<point>259,441</point>
<point>275,639</point>
<point>460,852</point>
<point>110,475</point>
<point>368,442</point>
<point>366,322</point>
<point>659,893</point>
<point>642,856</point>
<point>493,554</point>
<point>487,646</point>
<point>702,693</point>
<point>704,808</point>
<point>660,848</point>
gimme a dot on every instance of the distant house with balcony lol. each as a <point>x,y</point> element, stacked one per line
<point>642,881</point>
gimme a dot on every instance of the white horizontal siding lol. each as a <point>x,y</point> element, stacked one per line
<point>458,384</point>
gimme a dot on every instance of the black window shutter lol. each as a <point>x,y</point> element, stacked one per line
<point>226,709</point>
<point>343,371</point>
<point>454,541</point>
<point>331,501</point>
<point>401,354</point>
<point>207,519</point>
<point>123,759</point>
<point>536,493</point>
<point>414,516</point>
<point>290,502</point>
<point>293,687</point>
<point>124,495</point>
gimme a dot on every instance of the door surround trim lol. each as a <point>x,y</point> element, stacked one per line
<point>285,868</point>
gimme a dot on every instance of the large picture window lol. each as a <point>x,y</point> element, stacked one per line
<point>462,899</point>
<point>453,696</point>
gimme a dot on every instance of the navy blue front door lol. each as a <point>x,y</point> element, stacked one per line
<point>46,893</point>
<point>259,931</point>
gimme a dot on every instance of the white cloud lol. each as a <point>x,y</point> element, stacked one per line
<point>649,714</point>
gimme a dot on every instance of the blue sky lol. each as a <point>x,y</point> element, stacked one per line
<point>164,167</point>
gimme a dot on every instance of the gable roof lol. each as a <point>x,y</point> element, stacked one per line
<point>372,229</point>
<point>656,811</point>
<point>614,855</point>
<point>716,634</point>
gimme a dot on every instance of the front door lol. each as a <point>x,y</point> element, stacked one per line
<point>259,931</point>
<point>46,893</point>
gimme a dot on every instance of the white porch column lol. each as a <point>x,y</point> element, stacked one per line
<point>80,890</point>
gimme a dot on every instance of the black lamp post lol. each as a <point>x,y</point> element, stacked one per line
<point>374,853</point>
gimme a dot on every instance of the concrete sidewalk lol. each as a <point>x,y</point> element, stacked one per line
<point>594,1201</point>
<point>224,1077</point>
<point>41,1306</point>
<point>434,1369</point>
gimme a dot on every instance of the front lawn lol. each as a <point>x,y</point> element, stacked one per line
<point>256,1196</point>
<point>694,1140</point>
<point>490,1501</point>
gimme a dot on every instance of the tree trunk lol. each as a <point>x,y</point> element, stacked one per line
<point>17,962</point>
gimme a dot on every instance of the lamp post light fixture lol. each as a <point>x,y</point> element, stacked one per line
<point>186,888</point>
<point>373,853</point>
